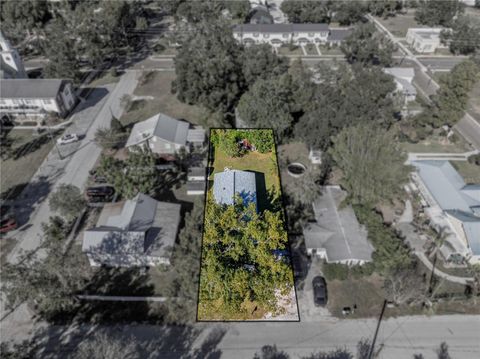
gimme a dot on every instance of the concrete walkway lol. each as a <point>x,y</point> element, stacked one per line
<point>114,298</point>
<point>438,273</point>
<point>440,156</point>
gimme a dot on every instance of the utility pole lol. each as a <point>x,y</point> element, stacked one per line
<point>372,347</point>
<point>54,142</point>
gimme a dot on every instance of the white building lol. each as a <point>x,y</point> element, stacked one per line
<point>11,65</point>
<point>403,77</point>
<point>425,40</point>
<point>33,97</point>
<point>281,34</point>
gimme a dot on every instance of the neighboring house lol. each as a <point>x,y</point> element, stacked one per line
<point>34,97</point>
<point>164,135</point>
<point>136,232</point>
<point>403,77</point>
<point>11,65</point>
<point>451,203</point>
<point>337,35</point>
<point>336,234</point>
<point>425,40</point>
<point>229,184</point>
<point>315,156</point>
<point>260,15</point>
<point>281,34</point>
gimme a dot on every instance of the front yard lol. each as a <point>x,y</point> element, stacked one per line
<point>437,143</point>
<point>157,84</point>
<point>469,171</point>
<point>399,24</point>
<point>29,151</point>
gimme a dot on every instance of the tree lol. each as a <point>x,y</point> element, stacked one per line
<point>372,165</point>
<point>61,50</point>
<point>385,8</point>
<point>306,11</point>
<point>260,62</point>
<point>464,38</point>
<point>269,103</point>
<point>349,12</point>
<point>67,200</point>
<point>48,283</point>
<point>271,352</point>
<point>403,285</point>
<point>433,13</point>
<point>108,138</point>
<point>100,345</point>
<point>306,188</point>
<point>209,68</point>
<point>137,174</point>
<point>442,351</point>
<point>366,45</point>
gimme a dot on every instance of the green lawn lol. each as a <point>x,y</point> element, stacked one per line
<point>158,85</point>
<point>29,152</point>
<point>474,101</point>
<point>285,50</point>
<point>399,24</point>
<point>437,144</point>
<point>330,50</point>
<point>104,79</point>
<point>469,171</point>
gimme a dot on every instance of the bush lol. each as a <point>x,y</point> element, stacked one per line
<point>362,271</point>
<point>113,71</point>
<point>332,271</point>
<point>474,159</point>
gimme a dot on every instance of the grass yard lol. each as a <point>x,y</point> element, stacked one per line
<point>469,171</point>
<point>399,24</point>
<point>158,85</point>
<point>474,102</point>
<point>104,79</point>
<point>330,50</point>
<point>437,144</point>
<point>311,50</point>
<point>29,153</point>
<point>285,50</point>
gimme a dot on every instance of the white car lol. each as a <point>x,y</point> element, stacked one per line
<point>71,137</point>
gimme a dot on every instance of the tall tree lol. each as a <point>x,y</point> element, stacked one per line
<point>209,68</point>
<point>260,62</point>
<point>433,13</point>
<point>385,8</point>
<point>464,38</point>
<point>373,167</point>
<point>306,11</point>
<point>101,345</point>
<point>68,201</point>
<point>366,45</point>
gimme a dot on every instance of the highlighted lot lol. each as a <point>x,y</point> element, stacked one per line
<point>246,271</point>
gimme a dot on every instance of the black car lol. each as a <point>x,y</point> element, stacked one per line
<point>319,291</point>
<point>100,191</point>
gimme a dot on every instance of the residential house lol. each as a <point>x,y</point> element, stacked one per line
<point>336,234</point>
<point>136,232</point>
<point>231,184</point>
<point>281,34</point>
<point>337,35</point>
<point>403,77</point>
<point>425,40</point>
<point>29,98</point>
<point>164,135</point>
<point>451,204</point>
<point>11,65</point>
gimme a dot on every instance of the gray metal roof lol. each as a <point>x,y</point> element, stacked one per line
<point>337,230</point>
<point>196,135</point>
<point>141,226</point>
<point>196,186</point>
<point>197,172</point>
<point>447,186</point>
<point>280,28</point>
<point>162,126</point>
<point>30,88</point>
<point>471,226</point>
<point>338,34</point>
<point>230,183</point>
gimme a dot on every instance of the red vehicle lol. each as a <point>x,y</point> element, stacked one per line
<point>8,222</point>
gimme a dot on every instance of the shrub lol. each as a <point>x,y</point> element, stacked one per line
<point>332,271</point>
<point>474,159</point>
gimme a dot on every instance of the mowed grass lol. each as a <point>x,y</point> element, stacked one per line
<point>252,161</point>
<point>469,171</point>
<point>158,84</point>
<point>398,25</point>
<point>437,144</point>
<point>16,172</point>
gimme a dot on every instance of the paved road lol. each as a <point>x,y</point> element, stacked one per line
<point>440,63</point>
<point>470,129</point>
<point>398,337</point>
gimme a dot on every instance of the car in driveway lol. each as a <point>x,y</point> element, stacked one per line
<point>99,193</point>
<point>68,138</point>
<point>319,291</point>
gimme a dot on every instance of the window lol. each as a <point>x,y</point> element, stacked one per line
<point>266,36</point>
<point>255,34</point>
<point>285,36</point>
<point>151,145</point>
<point>168,146</point>
<point>47,102</point>
<point>67,92</point>
<point>311,34</point>
<point>3,102</point>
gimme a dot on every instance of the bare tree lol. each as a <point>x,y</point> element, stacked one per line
<point>403,286</point>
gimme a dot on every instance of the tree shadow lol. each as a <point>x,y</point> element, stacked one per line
<point>91,96</point>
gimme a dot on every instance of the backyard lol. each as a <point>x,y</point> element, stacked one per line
<point>29,151</point>
<point>154,96</point>
<point>399,24</point>
<point>241,277</point>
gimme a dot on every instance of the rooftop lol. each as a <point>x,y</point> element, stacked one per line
<point>280,28</point>
<point>30,88</point>
<point>230,183</point>
<point>337,230</point>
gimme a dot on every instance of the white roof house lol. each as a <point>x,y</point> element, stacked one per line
<point>460,202</point>
<point>425,40</point>
<point>336,234</point>
<point>136,232</point>
<point>403,77</point>
<point>231,183</point>
<point>165,135</point>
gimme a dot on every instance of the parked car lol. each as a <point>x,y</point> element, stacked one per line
<point>69,138</point>
<point>96,177</point>
<point>100,191</point>
<point>319,291</point>
<point>7,222</point>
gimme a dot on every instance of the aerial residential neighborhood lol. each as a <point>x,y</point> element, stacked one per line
<point>240,179</point>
